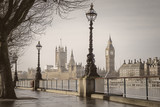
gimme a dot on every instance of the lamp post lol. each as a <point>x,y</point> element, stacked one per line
<point>90,68</point>
<point>15,58</point>
<point>38,75</point>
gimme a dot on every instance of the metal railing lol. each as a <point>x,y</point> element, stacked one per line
<point>69,85</point>
<point>24,83</point>
<point>147,87</point>
<point>56,84</point>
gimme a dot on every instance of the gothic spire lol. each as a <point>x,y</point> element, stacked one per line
<point>110,40</point>
<point>72,62</point>
<point>72,54</point>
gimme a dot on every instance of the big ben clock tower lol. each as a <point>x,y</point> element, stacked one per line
<point>110,57</point>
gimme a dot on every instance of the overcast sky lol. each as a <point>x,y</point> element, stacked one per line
<point>134,26</point>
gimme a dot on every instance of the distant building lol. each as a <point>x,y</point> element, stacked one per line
<point>138,68</point>
<point>20,74</point>
<point>101,72</point>
<point>110,59</point>
<point>49,67</point>
<point>62,69</point>
<point>152,67</point>
<point>61,58</point>
<point>31,73</point>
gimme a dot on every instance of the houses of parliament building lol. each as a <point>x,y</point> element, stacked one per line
<point>62,69</point>
<point>72,70</point>
<point>135,68</point>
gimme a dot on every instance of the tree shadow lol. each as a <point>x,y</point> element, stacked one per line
<point>7,103</point>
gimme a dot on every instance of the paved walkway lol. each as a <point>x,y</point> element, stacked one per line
<point>28,98</point>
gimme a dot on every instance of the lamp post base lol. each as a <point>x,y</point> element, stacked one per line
<point>36,85</point>
<point>86,87</point>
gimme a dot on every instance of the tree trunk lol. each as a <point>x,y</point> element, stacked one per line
<point>5,69</point>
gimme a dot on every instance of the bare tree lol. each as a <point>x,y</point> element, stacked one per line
<point>34,24</point>
<point>19,21</point>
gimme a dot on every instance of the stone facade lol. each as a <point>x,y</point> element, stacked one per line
<point>152,67</point>
<point>64,70</point>
<point>138,68</point>
<point>110,59</point>
<point>61,58</point>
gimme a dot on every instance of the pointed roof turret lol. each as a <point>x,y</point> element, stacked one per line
<point>72,53</point>
<point>109,45</point>
<point>72,62</point>
<point>110,40</point>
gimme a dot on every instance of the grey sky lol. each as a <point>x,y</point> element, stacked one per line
<point>134,26</point>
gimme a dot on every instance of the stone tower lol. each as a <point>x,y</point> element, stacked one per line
<point>110,57</point>
<point>61,58</point>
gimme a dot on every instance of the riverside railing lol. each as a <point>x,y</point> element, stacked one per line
<point>27,83</point>
<point>55,84</point>
<point>147,87</point>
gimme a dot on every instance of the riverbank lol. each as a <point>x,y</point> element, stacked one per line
<point>113,98</point>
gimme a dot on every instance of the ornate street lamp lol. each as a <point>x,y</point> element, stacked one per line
<point>38,75</point>
<point>15,58</point>
<point>90,68</point>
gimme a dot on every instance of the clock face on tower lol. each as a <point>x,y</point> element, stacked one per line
<point>111,52</point>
